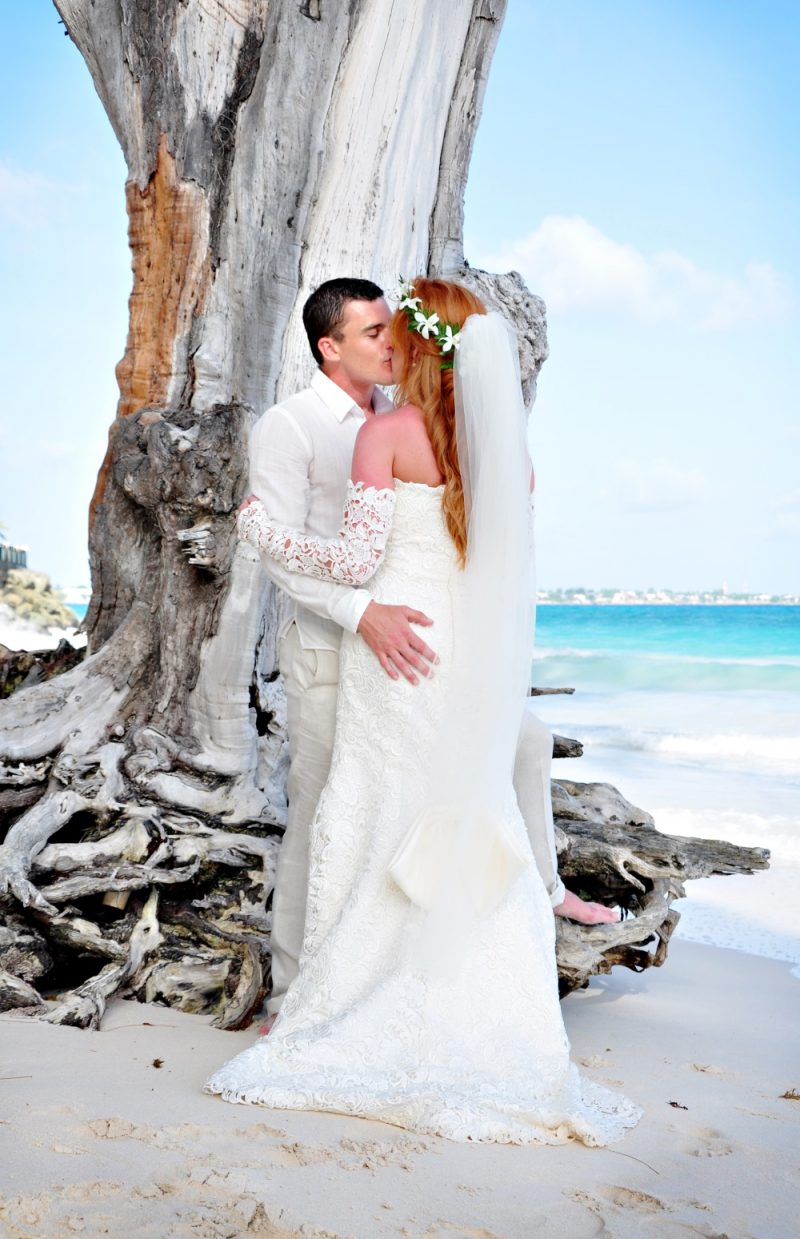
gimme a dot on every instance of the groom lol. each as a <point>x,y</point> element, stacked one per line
<point>300,457</point>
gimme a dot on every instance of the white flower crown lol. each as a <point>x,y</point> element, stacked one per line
<point>446,335</point>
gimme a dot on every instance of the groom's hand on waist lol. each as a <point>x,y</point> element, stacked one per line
<point>399,649</point>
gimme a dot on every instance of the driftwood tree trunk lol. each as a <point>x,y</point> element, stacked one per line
<point>270,144</point>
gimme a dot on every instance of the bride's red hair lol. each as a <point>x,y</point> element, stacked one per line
<point>424,383</point>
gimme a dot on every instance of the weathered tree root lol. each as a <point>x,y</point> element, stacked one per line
<point>24,668</point>
<point>209,952</point>
<point>583,951</point>
<point>85,1006</point>
<point>564,747</point>
<point>97,838</point>
<point>610,851</point>
<point>14,992</point>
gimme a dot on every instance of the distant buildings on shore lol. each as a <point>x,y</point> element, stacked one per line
<point>660,597</point>
<point>11,557</point>
<point>81,595</point>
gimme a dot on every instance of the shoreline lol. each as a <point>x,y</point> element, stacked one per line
<point>124,1140</point>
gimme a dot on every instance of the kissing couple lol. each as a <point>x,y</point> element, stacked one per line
<point>413,943</point>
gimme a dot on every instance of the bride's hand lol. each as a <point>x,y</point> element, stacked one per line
<point>246,502</point>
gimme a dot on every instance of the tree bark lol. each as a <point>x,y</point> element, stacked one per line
<point>270,144</point>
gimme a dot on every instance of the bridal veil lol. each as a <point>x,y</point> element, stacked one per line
<point>459,858</point>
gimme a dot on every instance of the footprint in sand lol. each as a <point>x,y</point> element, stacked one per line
<point>594,1060</point>
<point>709,1069</point>
<point>452,1230</point>
<point>710,1143</point>
<point>180,1136</point>
<point>644,1215</point>
<point>155,1190</point>
<point>198,1210</point>
<point>26,1210</point>
<point>98,1189</point>
<point>629,1198</point>
<point>350,1154</point>
<point>237,1182</point>
<point>373,1154</point>
<point>299,1154</point>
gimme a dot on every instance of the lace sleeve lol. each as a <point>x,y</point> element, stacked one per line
<point>351,558</point>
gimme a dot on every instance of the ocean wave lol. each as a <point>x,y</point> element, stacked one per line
<point>776,831</point>
<point>764,754</point>
<point>610,670</point>
<point>561,651</point>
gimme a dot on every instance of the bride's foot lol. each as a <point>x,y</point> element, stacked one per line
<point>266,1028</point>
<point>586,913</point>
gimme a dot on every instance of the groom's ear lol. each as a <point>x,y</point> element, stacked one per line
<point>328,348</point>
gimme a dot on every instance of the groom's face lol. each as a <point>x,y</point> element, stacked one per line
<point>363,349</point>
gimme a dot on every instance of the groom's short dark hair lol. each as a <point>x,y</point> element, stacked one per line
<point>324,310</point>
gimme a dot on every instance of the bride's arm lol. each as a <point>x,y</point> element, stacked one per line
<point>353,556</point>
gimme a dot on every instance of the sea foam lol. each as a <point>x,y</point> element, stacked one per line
<point>767,754</point>
<point>607,670</point>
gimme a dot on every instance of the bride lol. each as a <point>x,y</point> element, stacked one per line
<point>427,994</point>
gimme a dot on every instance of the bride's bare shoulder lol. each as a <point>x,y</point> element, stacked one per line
<point>395,445</point>
<point>397,422</point>
<point>405,419</point>
<point>406,412</point>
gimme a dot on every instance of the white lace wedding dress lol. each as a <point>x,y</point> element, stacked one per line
<point>481,1055</point>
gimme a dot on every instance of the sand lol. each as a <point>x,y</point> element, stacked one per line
<point>109,1133</point>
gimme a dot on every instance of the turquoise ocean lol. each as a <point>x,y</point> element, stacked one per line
<point>693,712</point>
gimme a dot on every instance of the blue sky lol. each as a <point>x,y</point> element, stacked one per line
<point>636,161</point>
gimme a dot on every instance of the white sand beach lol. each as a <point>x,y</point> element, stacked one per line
<point>109,1133</point>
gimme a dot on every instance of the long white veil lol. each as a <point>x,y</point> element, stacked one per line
<point>460,856</point>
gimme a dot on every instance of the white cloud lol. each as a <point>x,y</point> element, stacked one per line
<point>655,486</point>
<point>572,264</point>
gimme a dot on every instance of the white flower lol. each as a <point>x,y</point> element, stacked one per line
<point>404,289</point>
<point>410,303</point>
<point>426,326</point>
<point>451,339</point>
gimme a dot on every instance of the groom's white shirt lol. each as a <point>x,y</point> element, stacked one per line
<point>301,453</point>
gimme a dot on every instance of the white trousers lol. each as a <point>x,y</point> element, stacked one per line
<point>311,678</point>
